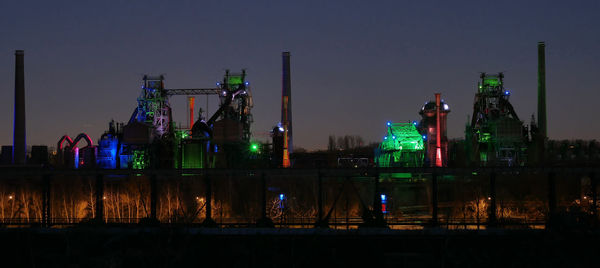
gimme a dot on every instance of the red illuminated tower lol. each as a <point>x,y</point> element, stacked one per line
<point>432,126</point>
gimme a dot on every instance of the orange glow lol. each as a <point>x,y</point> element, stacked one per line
<point>286,154</point>
<point>191,101</point>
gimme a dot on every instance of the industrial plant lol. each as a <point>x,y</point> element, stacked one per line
<point>149,170</point>
<point>150,139</point>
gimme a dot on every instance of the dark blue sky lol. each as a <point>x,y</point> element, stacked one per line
<point>355,64</point>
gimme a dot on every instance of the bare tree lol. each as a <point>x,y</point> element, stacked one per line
<point>331,144</point>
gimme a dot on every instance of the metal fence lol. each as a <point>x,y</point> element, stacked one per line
<point>399,198</point>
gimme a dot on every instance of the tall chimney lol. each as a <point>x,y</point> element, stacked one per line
<point>191,101</point>
<point>286,105</point>
<point>541,105</point>
<point>19,145</point>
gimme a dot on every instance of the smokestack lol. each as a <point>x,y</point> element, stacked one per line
<point>541,105</point>
<point>191,101</point>
<point>19,145</point>
<point>286,107</point>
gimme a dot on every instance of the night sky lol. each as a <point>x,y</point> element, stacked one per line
<point>355,64</point>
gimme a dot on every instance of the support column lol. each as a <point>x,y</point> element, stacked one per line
<point>208,220</point>
<point>379,221</point>
<point>320,221</point>
<point>264,220</point>
<point>492,220</point>
<point>99,199</point>
<point>434,199</point>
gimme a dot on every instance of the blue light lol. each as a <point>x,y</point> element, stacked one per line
<point>424,137</point>
<point>281,197</point>
<point>415,123</point>
<point>506,92</point>
<point>247,83</point>
<point>385,138</point>
<point>218,84</point>
<point>394,137</point>
<point>383,197</point>
<point>389,123</point>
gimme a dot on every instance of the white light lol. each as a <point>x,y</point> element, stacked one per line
<point>446,107</point>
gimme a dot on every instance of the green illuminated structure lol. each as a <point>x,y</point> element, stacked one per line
<point>495,135</point>
<point>139,160</point>
<point>401,147</point>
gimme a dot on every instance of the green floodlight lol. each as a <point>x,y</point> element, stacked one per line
<point>254,147</point>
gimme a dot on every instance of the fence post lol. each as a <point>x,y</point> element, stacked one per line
<point>492,220</point>
<point>99,199</point>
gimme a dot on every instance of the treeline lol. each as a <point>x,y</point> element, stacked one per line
<point>346,142</point>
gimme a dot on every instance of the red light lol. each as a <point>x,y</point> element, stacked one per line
<point>438,157</point>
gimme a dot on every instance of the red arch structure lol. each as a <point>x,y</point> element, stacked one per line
<point>73,143</point>
<point>64,138</point>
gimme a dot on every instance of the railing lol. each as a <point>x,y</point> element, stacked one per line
<point>454,198</point>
